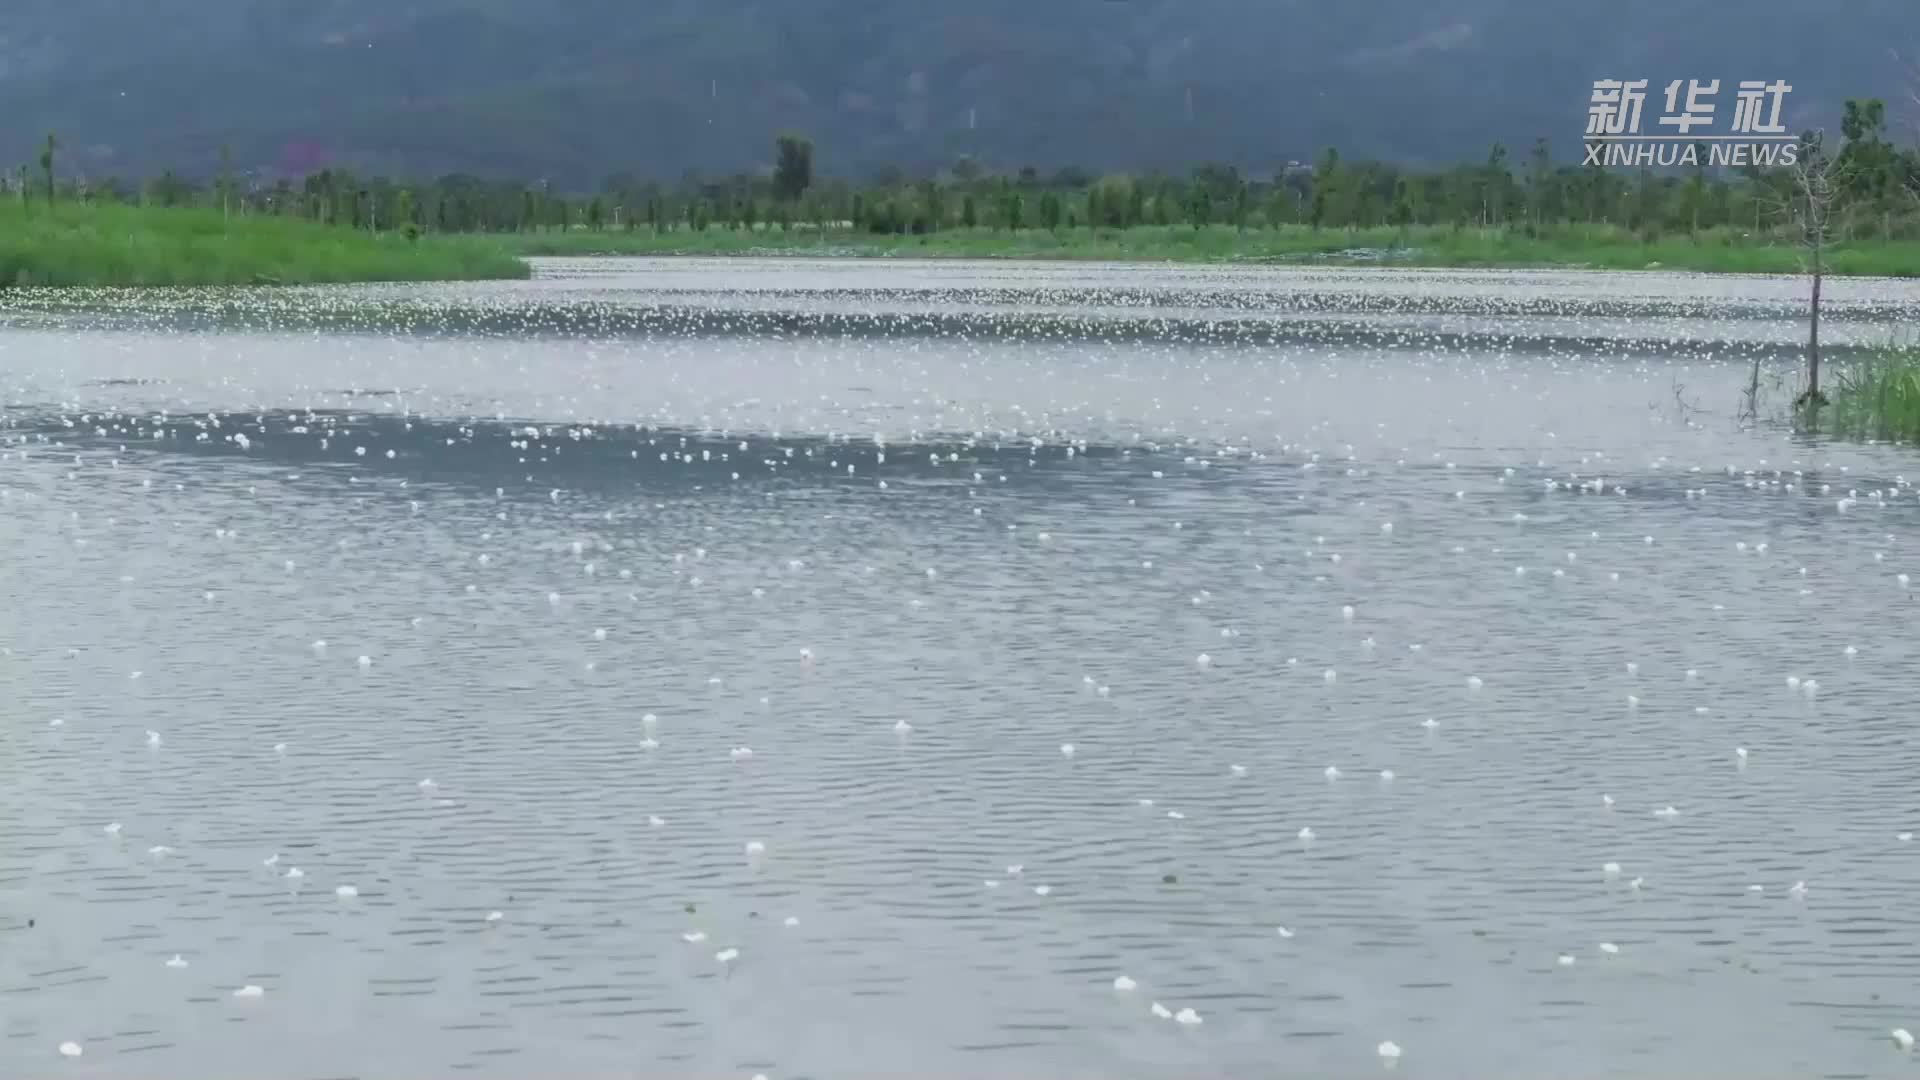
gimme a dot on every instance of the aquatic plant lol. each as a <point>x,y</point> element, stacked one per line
<point>1877,394</point>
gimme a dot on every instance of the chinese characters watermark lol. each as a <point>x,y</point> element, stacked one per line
<point>1755,136</point>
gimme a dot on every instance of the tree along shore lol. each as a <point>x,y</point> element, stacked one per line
<point>1499,211</point>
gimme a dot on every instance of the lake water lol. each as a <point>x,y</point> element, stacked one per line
<point>906,531</point>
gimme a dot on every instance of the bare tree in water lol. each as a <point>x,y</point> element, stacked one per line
<point>1815,179</point>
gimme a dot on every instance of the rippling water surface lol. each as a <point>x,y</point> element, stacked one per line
<point>386,581</point>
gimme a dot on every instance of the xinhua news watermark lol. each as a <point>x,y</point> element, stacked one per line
<point>1755,135</point>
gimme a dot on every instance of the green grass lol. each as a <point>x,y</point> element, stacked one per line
<point>1876,395</point>
<point>125,245</point>
<point>77,244</point>
<point>1600,247</point>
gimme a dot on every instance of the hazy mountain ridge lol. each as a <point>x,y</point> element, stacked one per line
<point>575,89</point>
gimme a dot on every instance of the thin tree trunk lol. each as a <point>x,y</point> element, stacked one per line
<point>1813,333</point>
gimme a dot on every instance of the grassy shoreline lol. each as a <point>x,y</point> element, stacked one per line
<point>118,245</point>
<point>77,244</point>
<point>1575,247</point>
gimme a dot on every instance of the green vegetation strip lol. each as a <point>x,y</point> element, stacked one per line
<point>75,244</point>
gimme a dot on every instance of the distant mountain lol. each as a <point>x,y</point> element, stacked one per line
<point>573,90</point>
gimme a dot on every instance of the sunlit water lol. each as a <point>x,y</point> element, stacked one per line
<point>802,508</point>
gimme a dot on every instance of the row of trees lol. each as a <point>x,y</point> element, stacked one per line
<point>1878,195</point>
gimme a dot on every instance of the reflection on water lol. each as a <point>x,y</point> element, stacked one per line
<point>905,571</point>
